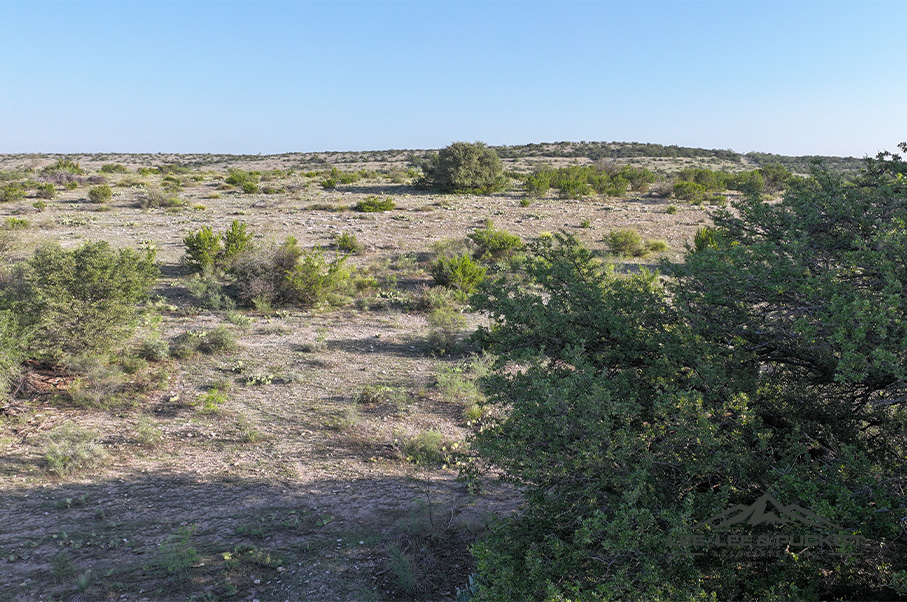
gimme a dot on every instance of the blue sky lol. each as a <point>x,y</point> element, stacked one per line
<point>269,77</point>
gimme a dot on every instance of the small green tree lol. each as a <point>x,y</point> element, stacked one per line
<point>773,360</point>
<point>100,194</point>
<point>459,272</point>
<point>237,240</point>
<point>202,249</point>
<point>465,167</point>
<point>83,300</point>
<point>314,278</point>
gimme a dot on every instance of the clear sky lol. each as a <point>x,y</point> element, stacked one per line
<point>809,77</point>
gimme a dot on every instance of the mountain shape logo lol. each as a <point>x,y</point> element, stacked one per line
<point>766,511</point>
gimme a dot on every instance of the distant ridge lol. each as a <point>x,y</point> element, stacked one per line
<point>581,151</point>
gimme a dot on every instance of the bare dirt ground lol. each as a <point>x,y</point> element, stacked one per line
<point>293,488</point>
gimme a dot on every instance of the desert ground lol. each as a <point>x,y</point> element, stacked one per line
<point>327,469</point>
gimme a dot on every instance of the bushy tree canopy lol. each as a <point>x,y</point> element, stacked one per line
<point>465,167</point>
<point>71,302</point>
<point>632,408</point>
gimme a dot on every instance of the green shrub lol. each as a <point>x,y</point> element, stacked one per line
<point>153,349</point>
<point>465,167</point>
<point>261,278</point>
<point>208,292</point>
<point>626,243</point>
<point>237,240</point>
<point>83,300</point>
<point>100,194</point>
<point>202,249</point>
<point>492,243</point>
<point>314,278</point>
<point>238,177</point>
<point>114,168</point>
<point>64,166</point>
<point>329,184</point>
<point>71,449</point>
<point>705,238</point>
<point>46,191</point>
<point>15,223</point>
<point>210,402</point>
<point>250,187</point>
<point>428,448</point>
<point>11,192</point>
<point>538,183</point>
<point>347,242</point>
<point>777,355</point>
<point>690,191</point>
<point>447,327</point>
<point>460,272</point>
<point>671,210</point>
<point>171,184</point>
<point>217,340</point>
<point>775,177</point>
<point>209,342</point>
<point>72,185</point>
<point>657,246</point>
<point>375,204</point>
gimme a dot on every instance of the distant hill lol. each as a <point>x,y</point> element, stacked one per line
<point>595,151</point>
<point>521,158</point>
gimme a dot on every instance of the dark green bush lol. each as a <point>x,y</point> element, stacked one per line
<point>237,240</point>
<point>11,192</point>
<point>206,250</point>
<point>114,168</point>
<point>459,272</point>
<point>314,278</point>
<point>538,183</point>
<point>626,243</point>
<point>375,204</point>
<point>348,242</point>
<point>100,194</point>
<point>775,177</point>
<point>202,249</point>
<point>465,167</point>
<point>492,243</point>
<point>238,177</point>
<point>642,406</point>
<point>690,191</point>
<point>81,301</point>
<point>46,191</point>
<point>15,223</point>
<point>64,166</point>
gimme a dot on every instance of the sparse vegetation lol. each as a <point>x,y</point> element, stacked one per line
<point>348,243</point>
<point>70,449</point>
<point>375,204</point>
<point>100,194</point>
<point>234,444</point>
<point>460,272</point>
